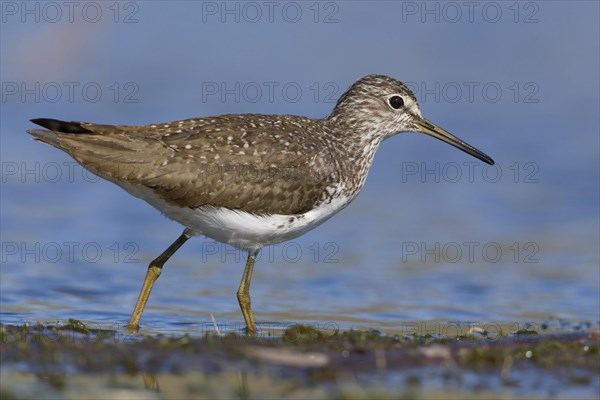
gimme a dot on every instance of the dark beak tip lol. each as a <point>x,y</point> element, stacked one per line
<point>488,160</point>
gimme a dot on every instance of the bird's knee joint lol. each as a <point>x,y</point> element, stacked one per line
<point>243,297</point>
<point>154,269</point>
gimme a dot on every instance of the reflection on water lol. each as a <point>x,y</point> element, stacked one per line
<point>406,259</point>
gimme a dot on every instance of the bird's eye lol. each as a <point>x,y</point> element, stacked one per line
<point>396,102</point>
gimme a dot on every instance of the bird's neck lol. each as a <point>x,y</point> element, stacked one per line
<point>356,146</point>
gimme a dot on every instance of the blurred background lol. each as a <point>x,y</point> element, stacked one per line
<point>434,236</point>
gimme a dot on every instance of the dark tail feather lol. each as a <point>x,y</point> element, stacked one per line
<point>60,126</point>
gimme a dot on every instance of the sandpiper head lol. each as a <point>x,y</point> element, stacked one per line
<point>382,106</point>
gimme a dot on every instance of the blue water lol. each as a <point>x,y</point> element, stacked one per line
<point>435,235</point>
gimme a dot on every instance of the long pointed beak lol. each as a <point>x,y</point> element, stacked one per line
<point>431,129</point>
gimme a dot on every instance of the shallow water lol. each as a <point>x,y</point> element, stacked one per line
<point>434,236</point>
<point>394,256</point>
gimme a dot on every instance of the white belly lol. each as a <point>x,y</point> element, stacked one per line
<point>238,228</point>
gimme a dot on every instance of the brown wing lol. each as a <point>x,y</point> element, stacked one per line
<point>262,164</point>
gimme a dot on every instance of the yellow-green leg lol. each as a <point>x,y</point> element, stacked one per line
<point>243,295</point>
<point>154,270</point>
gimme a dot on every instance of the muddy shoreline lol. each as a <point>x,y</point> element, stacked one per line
<point>72,360</point>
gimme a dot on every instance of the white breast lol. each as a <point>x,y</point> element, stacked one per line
<point>241,229</point>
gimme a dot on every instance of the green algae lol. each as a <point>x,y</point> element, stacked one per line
<point>303,361</point>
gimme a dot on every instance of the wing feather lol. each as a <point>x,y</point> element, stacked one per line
<point>226,161</point>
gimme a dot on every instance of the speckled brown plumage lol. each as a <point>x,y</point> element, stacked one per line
<point>248,180</point>
<point>258,163</point>
<point>264,164</point>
